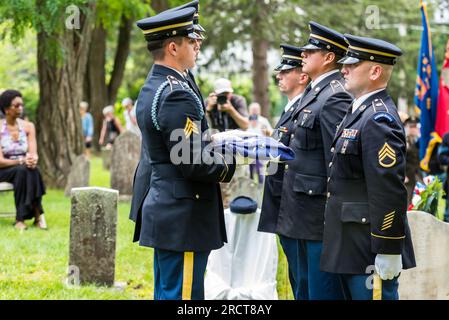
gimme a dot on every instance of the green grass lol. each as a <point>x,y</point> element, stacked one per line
<point>34,263</point>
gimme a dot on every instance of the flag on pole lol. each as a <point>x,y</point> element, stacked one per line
<point>442,123</point>
<point>426,93</point>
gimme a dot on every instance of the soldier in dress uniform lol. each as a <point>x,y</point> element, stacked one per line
<point>315,120</point>
<point>292,82</point>
<point>201,36</point>
<point>142,174</point>
<point>366,215</point>
<point>182,214</point>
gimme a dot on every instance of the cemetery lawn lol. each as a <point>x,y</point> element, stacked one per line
<point>34,263</point>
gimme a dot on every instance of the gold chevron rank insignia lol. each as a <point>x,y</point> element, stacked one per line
<point>387,156</point>
<point>190,128</point>
<point>388,221</point>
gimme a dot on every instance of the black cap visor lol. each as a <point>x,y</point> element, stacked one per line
<point>283,67</point>
<point>348,60</point>
<point>311,46</point>
<point>198,27</point>
<point>194,35</point>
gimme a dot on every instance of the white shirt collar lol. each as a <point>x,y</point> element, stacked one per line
<point>322,77</point>
<point>292,102</point>
<point>358,102</point>
<point>180,73</point>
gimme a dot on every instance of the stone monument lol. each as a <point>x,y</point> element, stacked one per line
<point>93,226</point>
<point>124,159</point>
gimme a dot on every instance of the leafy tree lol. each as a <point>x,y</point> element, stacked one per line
<point>102,84</point>
<point>61,61</point>
<point>266,24</point>
<point>263,23</point>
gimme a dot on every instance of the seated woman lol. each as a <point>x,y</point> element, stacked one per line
<point>18,161</point>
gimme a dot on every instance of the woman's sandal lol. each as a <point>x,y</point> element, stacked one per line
<point>41,224</point>
<point>20,226</point>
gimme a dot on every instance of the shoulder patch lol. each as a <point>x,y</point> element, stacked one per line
<point>383,117</point>
<point>337,86</point>
<point>172,81</point>
<point>379,105</point>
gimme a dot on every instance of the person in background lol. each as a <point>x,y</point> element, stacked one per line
<point>412,170</point>
<point>111,128</point>
<point>226,110</point>
<point>88,127</point>
<point>443,157</point>
<point>261,126</point>
<point>130,116</point>
<point>257,123</point>
<point>18,161</point>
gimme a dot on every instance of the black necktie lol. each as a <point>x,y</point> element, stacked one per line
<point>307,90</point>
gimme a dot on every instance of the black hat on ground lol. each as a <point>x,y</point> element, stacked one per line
<point>370,49</point>
<point>291,57</point>
<point>243,205</point>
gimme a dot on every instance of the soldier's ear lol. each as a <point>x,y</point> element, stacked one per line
<point>376,71</point>
<point>330,57</point>
<point>172,48</point>
<point>303,78</point>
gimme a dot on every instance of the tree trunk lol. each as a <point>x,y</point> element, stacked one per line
<point>260,46</point>
<point>121,55</point>
<point>260,74</point>
<point>59,131</point>
<point>97,93</point>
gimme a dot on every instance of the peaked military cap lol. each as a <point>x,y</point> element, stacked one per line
<point>370,49</point>
<point>196,17</point>
<point>169,24</point>
<point>325,38</point>
<point>243,205</point>
<point>291,57</point>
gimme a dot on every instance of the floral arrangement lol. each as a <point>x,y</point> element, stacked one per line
<point>426,195</point>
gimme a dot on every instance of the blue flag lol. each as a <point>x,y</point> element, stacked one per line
<point>426,93</point>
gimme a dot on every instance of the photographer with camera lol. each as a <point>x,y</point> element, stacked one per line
<point>226,110</point>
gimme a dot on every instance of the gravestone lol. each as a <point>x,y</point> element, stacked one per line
<point>93,226</point>
<point>79,174</point>
<point>106,157</point>
<point>124,159</point>
<point>430,279</point>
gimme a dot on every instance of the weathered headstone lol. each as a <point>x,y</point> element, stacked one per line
<point>430,279</point>
<point>93,226</point>
<point>106,157</point>
<point>124,159</point>
<point>79,174</point>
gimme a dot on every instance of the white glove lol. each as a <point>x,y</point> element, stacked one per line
<point>388,266</point>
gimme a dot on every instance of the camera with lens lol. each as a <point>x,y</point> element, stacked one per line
<point>222,99</point>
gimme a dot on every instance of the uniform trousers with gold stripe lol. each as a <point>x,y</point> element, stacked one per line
<point>361,287</point>
<point>179,275</point>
